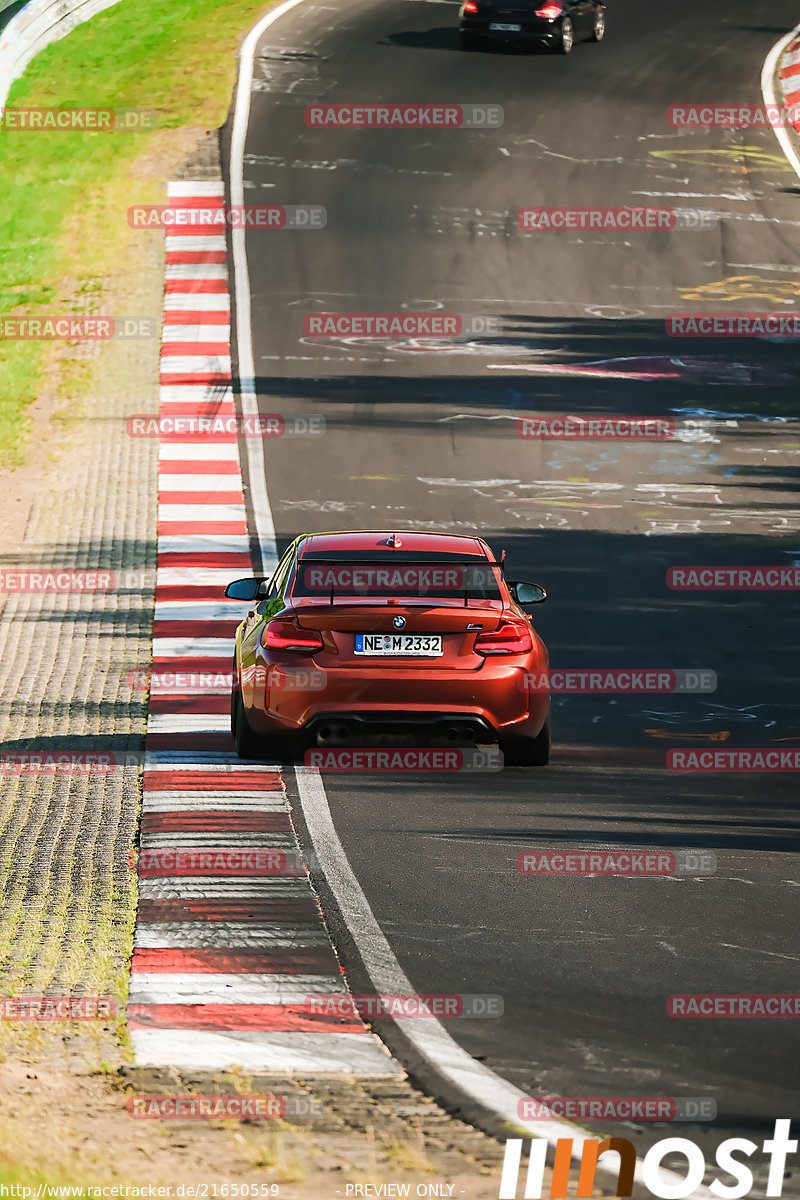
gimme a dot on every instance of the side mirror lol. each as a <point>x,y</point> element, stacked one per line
<point>243,589</point>
<point>527,593</point>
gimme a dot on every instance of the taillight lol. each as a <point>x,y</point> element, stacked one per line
<point>511,638</point>
<point>469,7</point>
<point>285,635</point>
<point>550,11</point>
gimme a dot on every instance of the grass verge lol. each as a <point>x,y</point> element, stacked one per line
<point>63,229</point>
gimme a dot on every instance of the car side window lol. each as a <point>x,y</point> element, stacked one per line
<point>278,581</point>
<point>282,574</point>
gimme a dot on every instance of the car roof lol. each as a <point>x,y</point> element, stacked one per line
<point>370,541</point>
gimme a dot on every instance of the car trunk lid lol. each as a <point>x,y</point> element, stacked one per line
<point>342,625</point>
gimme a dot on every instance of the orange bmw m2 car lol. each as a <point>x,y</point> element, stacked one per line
<point>377,633</point>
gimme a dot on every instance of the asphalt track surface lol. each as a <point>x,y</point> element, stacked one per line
<point>423,437</point>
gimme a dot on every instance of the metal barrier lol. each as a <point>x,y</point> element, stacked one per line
<point>34,27</point>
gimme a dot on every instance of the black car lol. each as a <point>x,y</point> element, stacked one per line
<point>521,22</point>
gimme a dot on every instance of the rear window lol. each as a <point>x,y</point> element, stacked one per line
<point>447,580</point>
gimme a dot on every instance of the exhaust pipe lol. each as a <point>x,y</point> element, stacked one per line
<point>460,733</point>
<point>328,734</point>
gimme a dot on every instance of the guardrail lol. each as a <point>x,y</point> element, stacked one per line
<point>36,26</point>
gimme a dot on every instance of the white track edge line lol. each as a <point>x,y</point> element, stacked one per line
<point>429,1038</point>
<point>256,467</point>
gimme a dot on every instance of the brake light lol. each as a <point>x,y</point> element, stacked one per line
<point>513,637</point>
<point>285,635</point>
<point>470,7</point>
<point>550,11</point>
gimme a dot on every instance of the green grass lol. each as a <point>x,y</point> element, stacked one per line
<point>63,222</point>
<point>30,1180</point>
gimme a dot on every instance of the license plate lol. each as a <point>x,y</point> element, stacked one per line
<point>413,645</point>
<point>507,28</point>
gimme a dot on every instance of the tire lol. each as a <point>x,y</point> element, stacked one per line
<point>567,39</point>
<point>468,41</point>
<point>234,693</point>
<point>528,752</point>
<point>246,742</point>
<point>599,31</point>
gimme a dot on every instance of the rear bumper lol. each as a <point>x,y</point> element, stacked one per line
<point>447,729</point>
<point>493,700</point>
<point>544,33</point>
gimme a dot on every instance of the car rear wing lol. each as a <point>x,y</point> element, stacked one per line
<point>409,576</point>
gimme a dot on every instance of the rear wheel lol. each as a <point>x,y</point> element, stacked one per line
<point>528,752</point>
<point>246,742</point>
<point>567,39</point>
<point>468,41</point>
<point>599,31</point>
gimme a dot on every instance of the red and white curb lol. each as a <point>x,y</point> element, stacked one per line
<point>222,963</point>
<point>790,78</point>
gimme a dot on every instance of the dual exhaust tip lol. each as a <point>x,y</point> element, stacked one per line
<point>333,735</point>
